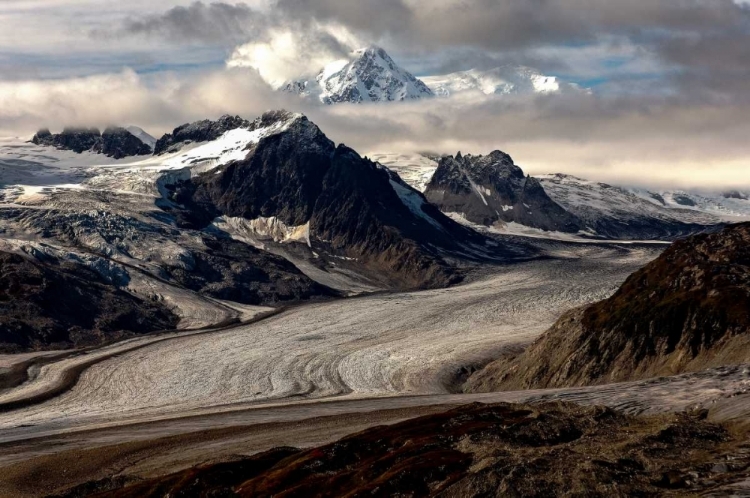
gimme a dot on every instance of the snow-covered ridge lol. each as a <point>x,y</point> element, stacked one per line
<point>141,135</point>
<point>592,200</point>
<point>503,80</point>
<point>32,172</point>
<point>414,169</point>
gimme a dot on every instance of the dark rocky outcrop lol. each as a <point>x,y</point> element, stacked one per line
<point>75,139</point>
<point>353,206</point>
<point>476,450</point>
<point>735,194</point>
<point>687,311</point>
<point>51,304</point>
<point>119,143</point>
<point>114,142</point>
<point>199,131</point>
<point>491,189</point>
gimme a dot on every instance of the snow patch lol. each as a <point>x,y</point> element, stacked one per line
<point>414,169</point>
<point>260,229</point>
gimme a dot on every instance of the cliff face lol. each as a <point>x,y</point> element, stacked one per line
<point>686,311</point>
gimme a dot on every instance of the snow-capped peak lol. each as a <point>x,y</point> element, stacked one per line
<point>369,75</point>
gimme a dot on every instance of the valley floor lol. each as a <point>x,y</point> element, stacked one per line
<point>316,372</point>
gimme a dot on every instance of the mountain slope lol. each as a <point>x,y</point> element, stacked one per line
<point>142,135</point>
<point>686,311</point>
<point>54,304</point>
<point>199,131</point>
<point>591,209</point>
<point>346,207</point>
<point>616,212</point>
<point>491,189</point>
<point>370,75</point>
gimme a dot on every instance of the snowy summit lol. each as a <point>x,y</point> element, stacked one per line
<point>370,75</point>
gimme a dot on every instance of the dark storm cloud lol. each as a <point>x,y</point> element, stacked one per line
<point>372,16</point>
<point>703,45</point>
<point>514,23</point>
<point>215,23</point>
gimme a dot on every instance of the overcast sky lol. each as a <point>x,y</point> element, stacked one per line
<point>670,79</point>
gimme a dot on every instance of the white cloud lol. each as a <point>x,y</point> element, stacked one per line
<point>158,104</point>
<point>289,53</point>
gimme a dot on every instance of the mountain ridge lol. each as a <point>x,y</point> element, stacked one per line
<point>348,206</point>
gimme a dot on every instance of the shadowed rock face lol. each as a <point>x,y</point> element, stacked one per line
<point>75,139</point>
<point>114,142</point>
<point>475,450</point>
<point>686,311</point>
<point>200,131</point>
<point>61,305</point>
<point>353,206</point>
<point>119,143</point>
<point>491,189</point>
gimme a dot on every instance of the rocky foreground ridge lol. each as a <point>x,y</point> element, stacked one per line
<point>473,451</point>
<point>686,311</point>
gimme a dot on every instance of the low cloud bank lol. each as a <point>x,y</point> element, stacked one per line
<point>660,141</point>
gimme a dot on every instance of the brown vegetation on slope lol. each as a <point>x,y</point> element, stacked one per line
<point>477,450</point>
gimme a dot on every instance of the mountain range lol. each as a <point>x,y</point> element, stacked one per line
<point>253,212</point>
<point>493,192</point>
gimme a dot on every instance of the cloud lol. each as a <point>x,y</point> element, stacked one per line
<point>125,98</point>
<point>702,45</point>
<point>289,53</point>
<point>671,75</point>
<point>220,23</point>
<point>628,141</point>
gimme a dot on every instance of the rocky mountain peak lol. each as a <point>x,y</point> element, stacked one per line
<point>491,189</point>
<point>207,130</point>
<point>118,143</point>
